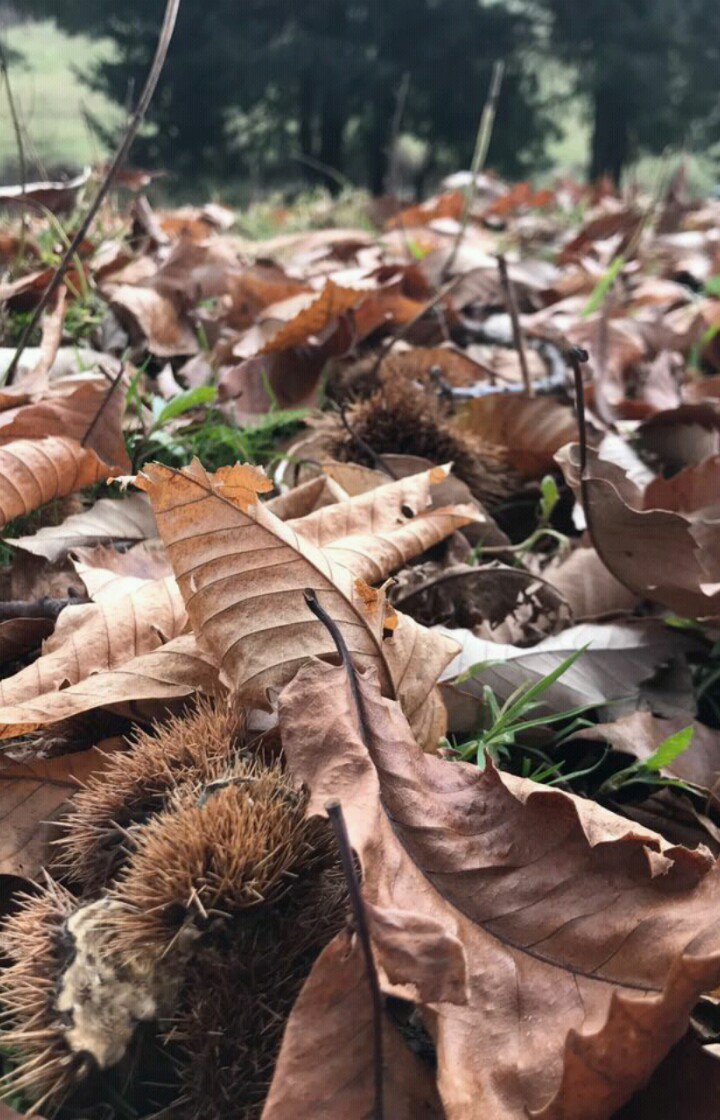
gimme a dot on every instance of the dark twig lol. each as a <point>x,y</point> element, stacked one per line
<point>18,140</point>
<point>337,820</point>
<point>575,357</point>
<point>336,634</point>
<point>482,143</point>
<point>511,302</point>
<point>171,11</point>
<point>391,181</point>
<point>39,608</point>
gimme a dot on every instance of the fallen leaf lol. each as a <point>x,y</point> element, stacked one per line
<point>123,519</point>
<point>532,429</point>
<point>590,590</point>
<point>618,658</point>
<point>585,939</point>
<point>36,471</point>
<point>31,793</point>
<point>325,1067</point>
<point>641,733</point>
<point>99,636</point>
<point>658,554</point>
<point>243,572</point>
<point>154,318</point>
<point>172,671</point>
<point>449,205</point>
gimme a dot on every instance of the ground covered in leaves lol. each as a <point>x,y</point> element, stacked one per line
<point>422,519</point>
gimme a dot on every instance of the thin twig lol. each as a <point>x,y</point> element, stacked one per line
<point>482,143</point>
<point>168,26</point>
<point>576,356</point>
<point>511,302</point>
<point>391,180</point>
<point>18,140</point>
<point>373,456</point>
<point>336,634</point>
<point>337,820</point>
<point>39,608</point>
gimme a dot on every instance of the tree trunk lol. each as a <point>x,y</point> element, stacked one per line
<point>331,139</point>
<point>611,135</point>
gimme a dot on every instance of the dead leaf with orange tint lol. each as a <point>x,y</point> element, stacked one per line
<point>36,471</point>
<point>32,792</point>
<point>520,196</point>
<point>243,574</point>
<point>82,408</point>
<point>573,942</point>
<point>532,429</point>
<point>450,205</point>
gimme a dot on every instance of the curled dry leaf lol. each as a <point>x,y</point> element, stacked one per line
<point>124,519</point>
<point>35,471</point>
<point>171,671</point>
<point>243,573</point>
<point>659,554</point>
<point>573,943</point>
<point>641,733</point>
<point>618,658</point>
<point>156,319</point>
<point>31,793</point>
<point>99,636</point>
<point>531,428</point>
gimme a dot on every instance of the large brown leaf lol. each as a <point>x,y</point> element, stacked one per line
<point>556,949</point>
<point>34,472</point>
<point>243,572</point>
<point>125,519</point>
<point>531,428</point>
<point>666,556</point>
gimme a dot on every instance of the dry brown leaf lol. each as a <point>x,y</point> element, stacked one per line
<point>531,428</point>
<point>31,793</point>
<point>449,205</point>
<point>572,942</point>
<point>98,636</point>
<point>125,519</point>
<point>243,572</point>
<point>641,733</point>
<point>172,671</point>
<point>79,408</point>
<point>315,318</point>
<point>156,319</point>
<point>658,554</point>
<point>36,471</point>
<point>589,589</point>
<point>325,1067</point>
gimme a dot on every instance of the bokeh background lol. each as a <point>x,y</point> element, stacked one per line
<point>287,96</point>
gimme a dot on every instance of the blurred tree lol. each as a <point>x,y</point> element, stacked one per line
<point>649,67</point>
<point>317,78</point>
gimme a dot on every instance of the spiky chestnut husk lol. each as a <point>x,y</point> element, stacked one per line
<point>403,420</point>
<point>218,849</point>
<point>100,828</point>
<point>238,995</point>
<point>34,940</point>
<point>71,1005</point>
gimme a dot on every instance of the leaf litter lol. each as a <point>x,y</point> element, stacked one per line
<point>422,529</point>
